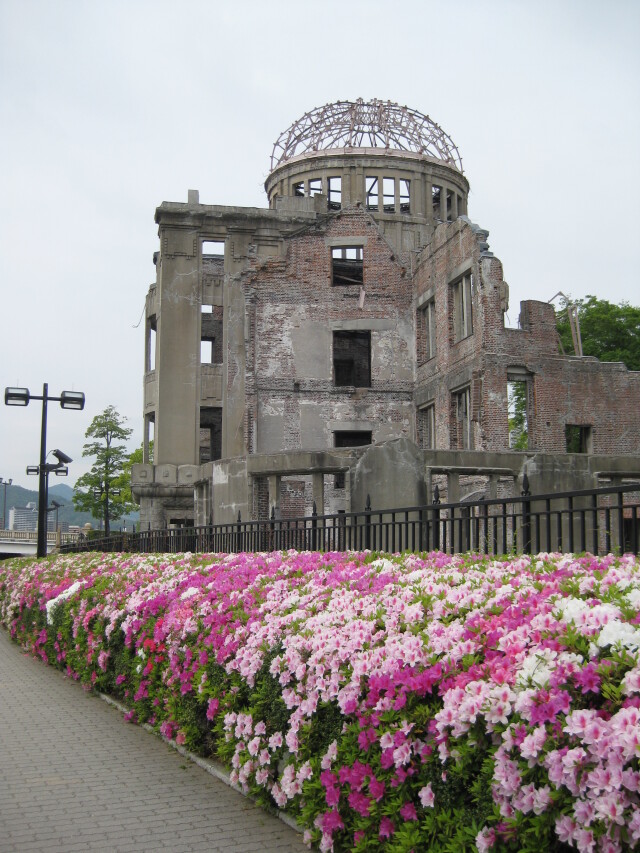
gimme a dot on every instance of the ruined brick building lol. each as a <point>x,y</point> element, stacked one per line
<point>351,337</point>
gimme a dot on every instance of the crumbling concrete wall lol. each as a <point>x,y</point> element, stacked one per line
<point>294,311</point>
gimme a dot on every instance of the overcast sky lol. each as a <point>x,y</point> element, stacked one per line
<point>109,108</point>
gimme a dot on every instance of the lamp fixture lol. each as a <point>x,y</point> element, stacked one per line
<point>16,396</point>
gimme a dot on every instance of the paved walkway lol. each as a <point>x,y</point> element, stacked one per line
<point>75,777</point>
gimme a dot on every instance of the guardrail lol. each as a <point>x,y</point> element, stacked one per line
<point>32,536</point>
<point>595,520</point>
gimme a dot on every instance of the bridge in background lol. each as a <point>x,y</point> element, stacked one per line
<point>24,543</point>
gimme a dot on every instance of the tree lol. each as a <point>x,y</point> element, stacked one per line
<point>102,497</point>
<point>123,482</point>
<point>608,332</point>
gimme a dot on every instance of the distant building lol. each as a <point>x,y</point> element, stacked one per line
<point>351,339</point>
<point>26,518</point>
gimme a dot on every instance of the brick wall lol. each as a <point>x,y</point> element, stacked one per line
<point>563,390</point>
<point>294,310</point>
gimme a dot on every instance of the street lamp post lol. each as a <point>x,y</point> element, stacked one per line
<point>5,483</point>
<point>67,400</point>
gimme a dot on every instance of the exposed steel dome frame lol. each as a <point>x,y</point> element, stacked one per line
<point>365,124</point>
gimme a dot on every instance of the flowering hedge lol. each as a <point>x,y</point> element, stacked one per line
<point>388,703</point>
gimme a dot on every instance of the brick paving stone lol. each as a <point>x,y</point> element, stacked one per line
<point>75,777</point>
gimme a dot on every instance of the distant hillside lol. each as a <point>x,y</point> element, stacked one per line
<point>63,494</point>
<point>61,490</point>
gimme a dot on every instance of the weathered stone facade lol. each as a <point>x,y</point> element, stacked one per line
<point>362,307</point>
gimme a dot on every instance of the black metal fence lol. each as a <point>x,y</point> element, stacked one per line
<point>595,520</point>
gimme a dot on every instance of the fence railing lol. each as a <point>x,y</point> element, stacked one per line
<point>595,520</point>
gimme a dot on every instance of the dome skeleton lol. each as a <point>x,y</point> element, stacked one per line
<point>360,124</point>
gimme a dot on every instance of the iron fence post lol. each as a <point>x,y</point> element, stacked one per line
<point>367,533</point>
<point>526,516</point>
<point>436,518</point>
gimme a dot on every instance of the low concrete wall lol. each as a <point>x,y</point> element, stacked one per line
<point>395,474</point>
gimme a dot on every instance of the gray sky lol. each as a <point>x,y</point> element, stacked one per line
<point>109,108</point>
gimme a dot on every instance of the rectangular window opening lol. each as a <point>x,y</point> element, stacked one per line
<point>352,359</point>
<point>348,438</point>
<point>315,186</point>
<point>371,185</point>
<point>210,434</point>
<point>206,350</point>
<point>347,265</point>
<point>427,427</point>
<point>578,438</point>
<point>462,415</point>
<point>150,356</point>
<point>462,293</point>
<point>211,338</point>
<point>335,193</point>
<point>449,206</point>
<point>430,329</point>
<point>388,195</point>
<point>436,195</point>
<point>405,195</point>
<point>517,412</point>
<point>213,248</point>
<point>206,309</point>
<point>148,437</point>
<point>298,188</point>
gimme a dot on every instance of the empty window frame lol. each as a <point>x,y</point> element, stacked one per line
<point>404,187</point>
<point>148,437</point>
<point>213,248</point>
<point>426,332</point>
<point>352,359</point>
<point>462,419</point>
<point>347,265</point>
<point>210,434</point>
<point>348,438</point>
<point>429,315</point>
<point>436,196</point>
<point>450,208</point>
<point>298,188</point>
<point>150,344</point>
<point>388,195</point>
<point>461,294</point>
<point>334,193</point>
<point>518,413</point>
<point>211,337</point>
<point>426,424</point>
<point>315,186</point>
<point>207,350</point>
<point>372,192</point>
<point>578,438</point>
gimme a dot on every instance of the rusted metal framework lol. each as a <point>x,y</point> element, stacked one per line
<point>365,124</point>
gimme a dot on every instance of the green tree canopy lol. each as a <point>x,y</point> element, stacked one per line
<point>123,482</point>
<point>609,332</point>
<point>101,496</point>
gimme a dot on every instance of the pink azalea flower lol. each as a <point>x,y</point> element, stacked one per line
<point>387,828</point>
<point>427,797</point>
<point>408,811</point>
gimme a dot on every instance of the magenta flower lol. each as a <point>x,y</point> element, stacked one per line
<point>387,828</point>
<point>408,811</point>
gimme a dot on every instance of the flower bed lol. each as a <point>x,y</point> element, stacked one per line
<point>405,703</point>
